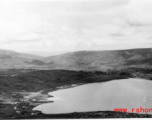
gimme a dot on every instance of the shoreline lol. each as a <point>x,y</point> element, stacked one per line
<point>43,93</point>
<point>91,114</point>
<point>32,105</point>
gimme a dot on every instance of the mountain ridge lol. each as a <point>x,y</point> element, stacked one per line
<point>80,60</point>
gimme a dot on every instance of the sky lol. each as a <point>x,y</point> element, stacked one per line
<point>49,27</point>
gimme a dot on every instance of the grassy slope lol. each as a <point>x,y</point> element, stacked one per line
<point>41,80</point>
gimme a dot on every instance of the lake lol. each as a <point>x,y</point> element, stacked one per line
<point>125,93</point>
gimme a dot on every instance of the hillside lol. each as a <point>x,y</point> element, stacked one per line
<point>99,60</point>
<point>70,69</point>
<point>81,60</point>
<point>12,59</point>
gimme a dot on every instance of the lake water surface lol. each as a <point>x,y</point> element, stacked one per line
<point>125,93</point>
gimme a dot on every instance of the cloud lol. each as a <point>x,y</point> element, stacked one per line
<point>139,12</point>
<point>75,25</point>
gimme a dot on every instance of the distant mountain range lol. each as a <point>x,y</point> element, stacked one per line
<point>81,60</point>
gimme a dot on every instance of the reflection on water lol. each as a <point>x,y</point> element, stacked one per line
<point>126,93</point>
